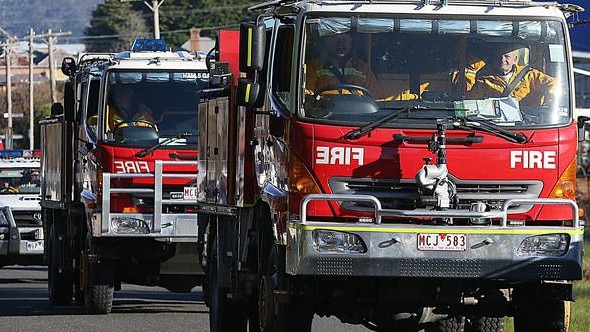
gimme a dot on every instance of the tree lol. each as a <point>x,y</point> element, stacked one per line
<point>120,23</point>
<point>176,18</point>
<point>208,15</point>
<point>20,104</point>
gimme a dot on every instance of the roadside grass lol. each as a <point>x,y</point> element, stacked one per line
<point>580,316</point>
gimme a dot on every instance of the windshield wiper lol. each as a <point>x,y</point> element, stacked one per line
<point>167,141</point>
<point>363,130</point>
<point>489,127</point>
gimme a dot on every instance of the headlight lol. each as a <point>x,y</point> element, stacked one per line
<point>333,241</point>
<point>129,226</point>
<point>552,245</point>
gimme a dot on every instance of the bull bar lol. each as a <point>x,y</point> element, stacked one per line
<point>162,225</point>
<point>392,249</point>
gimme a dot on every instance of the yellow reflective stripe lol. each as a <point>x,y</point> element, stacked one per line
<point>247,93</point>
<point>249,57</point>
<point>380,229</point>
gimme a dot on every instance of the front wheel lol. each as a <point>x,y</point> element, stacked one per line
<point>98,282</point>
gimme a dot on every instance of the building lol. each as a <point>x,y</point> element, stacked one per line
<point>20,62</point>
<point>197,43</point>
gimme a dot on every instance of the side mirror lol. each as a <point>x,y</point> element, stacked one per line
<point>582,127</point>
<point>57,109</point>
<point>249,93</point>
<point>582,119</point>
<point>252,47</point>
<point>68,66</point>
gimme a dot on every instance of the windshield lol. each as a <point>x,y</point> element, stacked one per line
<point>20,181</point>
<point>147,108</point>
<point>509,72</point>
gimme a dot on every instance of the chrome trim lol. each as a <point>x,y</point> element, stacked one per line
<point>380,212</point>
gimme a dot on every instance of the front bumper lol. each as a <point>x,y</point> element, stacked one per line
<point>180,227</point>
<point>172,227</point>
<point>21,241</point>
<point>491,252</point>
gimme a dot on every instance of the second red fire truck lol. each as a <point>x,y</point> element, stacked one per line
<point>118,162</point>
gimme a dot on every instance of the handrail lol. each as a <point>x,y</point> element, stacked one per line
<point>449,213</point>
<point>158,176</point>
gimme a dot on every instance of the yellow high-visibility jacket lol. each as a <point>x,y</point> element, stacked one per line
<point>355,72</point>
<point>533,88</point>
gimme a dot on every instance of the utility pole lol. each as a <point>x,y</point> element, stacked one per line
<point>51,38</point>
<point>31,96</point>
<point>154,7</point>
<point>8,57</point>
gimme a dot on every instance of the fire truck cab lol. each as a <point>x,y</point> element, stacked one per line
<point>380,169</point>
<point>119,160</point>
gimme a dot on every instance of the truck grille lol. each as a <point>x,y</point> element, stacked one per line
<point>403,194</point>
<point>27,218</point>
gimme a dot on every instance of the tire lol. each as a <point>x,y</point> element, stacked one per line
<point>99,299</point>
<point>485,324</point>
<point>555,317</point>
<point>224,316</point>
<point>100,288</point>
<point>276,314</point>
<point>452,324</point>
<point>60,283</point>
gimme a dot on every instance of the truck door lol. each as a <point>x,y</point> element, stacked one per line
<point>87,123</point>
<point>270,130</point>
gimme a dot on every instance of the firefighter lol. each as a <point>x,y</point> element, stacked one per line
<point>8,188</point>
<point>338,64</point>
<point>125,107</point>
<point>502,76</point>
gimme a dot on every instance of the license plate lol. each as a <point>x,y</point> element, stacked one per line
<point>190,193</point>
<point>442,242</point>
<point>35,246</point>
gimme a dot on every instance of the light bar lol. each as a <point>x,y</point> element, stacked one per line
<point>150,45</point>
<point>19,153</point>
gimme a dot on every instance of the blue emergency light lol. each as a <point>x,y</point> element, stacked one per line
<point>149,45</point>
<point>17,153</point>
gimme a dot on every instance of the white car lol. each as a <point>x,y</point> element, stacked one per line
<point>21,227</point>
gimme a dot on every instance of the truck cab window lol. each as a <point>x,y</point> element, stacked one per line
<point>282,66</point>
<point>91,116</point>
<point>373,65</point>
<point>136,115</point>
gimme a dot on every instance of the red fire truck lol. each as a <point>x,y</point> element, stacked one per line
<point>420,207</point>
<point>118,162</point>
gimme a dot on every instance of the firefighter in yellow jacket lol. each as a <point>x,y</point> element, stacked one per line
<point>125,109</point>
<point>501,76</point>
<point>338,65</point>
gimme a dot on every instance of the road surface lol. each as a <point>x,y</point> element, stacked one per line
<point>24,308</point>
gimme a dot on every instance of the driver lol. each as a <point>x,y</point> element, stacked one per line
<point>124,107</point>
<point>8,188</point>
<point>337,64</point>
